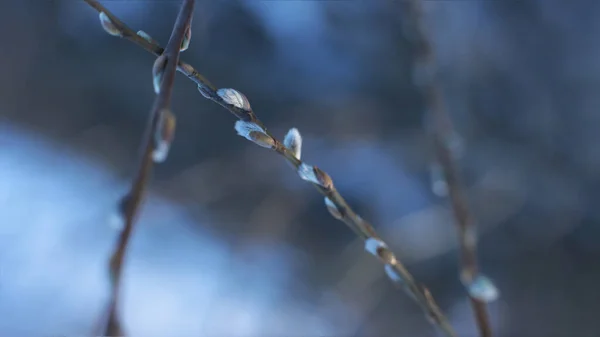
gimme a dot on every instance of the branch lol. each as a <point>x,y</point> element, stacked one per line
<point>250,127</point>
<point>480,288</point>
<point>156,141</point>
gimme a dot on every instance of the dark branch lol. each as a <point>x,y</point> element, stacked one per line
<point>132,201</point>
<point>441,133</point>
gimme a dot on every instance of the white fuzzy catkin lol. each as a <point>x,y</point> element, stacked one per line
<point>483,289</point>
<point>307,173</point>
<point>254,133</point>
<point>108,25</point>
<point>293,141</point>
<point>187,37</point>
<point>244,128</point>
<point>392,274</point>
<point>234,97</point>
<point>145,36</point>
<point>164,135</point>
<point>372,245</point>
<point>380,250</point>
<point>158,70</point>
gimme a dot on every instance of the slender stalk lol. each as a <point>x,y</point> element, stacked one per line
<point>442,133</point>
<point>132,201</point>
<point>395,269</point>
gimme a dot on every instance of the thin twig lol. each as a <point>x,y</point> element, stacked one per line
<point>322,182</point>
<point>442,132</point>
<point>132,201</point>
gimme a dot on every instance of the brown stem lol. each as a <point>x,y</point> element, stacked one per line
<point>442,130</point>
<point>361,227</point>
<point>133,199</point>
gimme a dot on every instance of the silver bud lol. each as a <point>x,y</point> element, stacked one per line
<point>146,37</point>
<point>315,175</point>
<point>307,173</point>
<point>235,98</point>
<point>379,249</point>
<point>186,68</point>
<point>158,70</point>
<point>164,135</point>
<point>482,288</point>
<point>333,210</point>
<point>187,37</point>
<point>293,141</point>
<point>205,91</point>
<point>108,25</point>
<point>254,133</point>
<point>392,274</point>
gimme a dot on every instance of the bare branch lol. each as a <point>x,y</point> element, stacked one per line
<point>480,289</point>
<point>253,129</point>
<point>160,122</point>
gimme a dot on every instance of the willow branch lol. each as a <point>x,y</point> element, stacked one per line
<point>253,129</point>
<point>442,133</point>
<point>131,203</point>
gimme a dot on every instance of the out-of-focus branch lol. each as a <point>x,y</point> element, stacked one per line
<point>443,136</point>
<point>160,120</point>
<point>253,129</point>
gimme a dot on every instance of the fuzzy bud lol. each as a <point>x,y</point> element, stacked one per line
<point>379,249</point>
<point>108,25</point>
<point>235,98</point>
<point>158,70</point>
<point>293,141</point>
<point>164,135</point>
<point>261,139</point>
<point>186,68</point>
<point>117,218</point>
<point>315,175</point>
<point>439,186</point>
<point>205,91</point>
<point>323,178</point>
<point>307,173</point>
<point>482,288</point>
<point>254,133</point>
<point>333,210</point>
<point>146,37</point>
<point>187,37</point>
<point>392,274</point>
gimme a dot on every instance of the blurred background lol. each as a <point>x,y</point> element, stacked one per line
<point>231,242</point>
